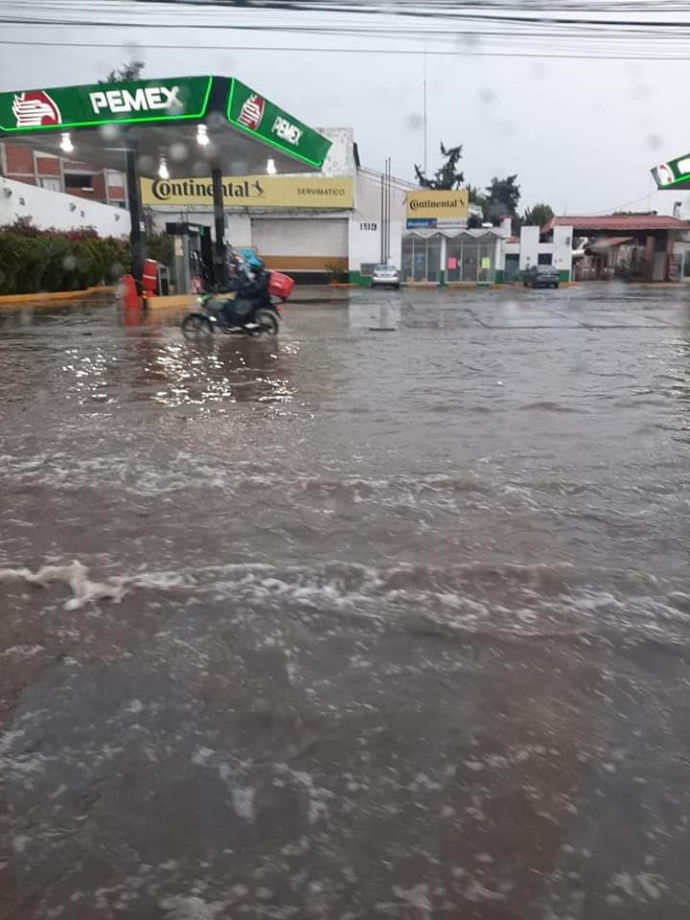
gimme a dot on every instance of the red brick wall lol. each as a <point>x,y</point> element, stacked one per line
<point>20,167</point>
<point>48,166</point>
<point>20,161</point>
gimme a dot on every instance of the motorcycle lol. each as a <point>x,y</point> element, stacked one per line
<point>245,311</point>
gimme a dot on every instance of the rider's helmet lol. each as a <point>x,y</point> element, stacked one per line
<point>254,262</point>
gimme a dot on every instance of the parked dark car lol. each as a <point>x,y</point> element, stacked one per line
<point>541,276</point>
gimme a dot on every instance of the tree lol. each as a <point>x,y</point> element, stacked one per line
<point>447,176</point>
<point>537,216</point>
<point>125,73</point>
<point>476,196</point>
<point>503,197</point>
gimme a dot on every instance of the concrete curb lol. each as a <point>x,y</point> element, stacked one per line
<point>9,300</point>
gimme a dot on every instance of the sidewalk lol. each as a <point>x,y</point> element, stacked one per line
<point>320,293</point>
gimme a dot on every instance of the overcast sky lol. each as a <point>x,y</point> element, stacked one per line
<point>581,134</point>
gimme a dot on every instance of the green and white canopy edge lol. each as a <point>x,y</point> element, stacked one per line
<point>187,126</point>
<point>673,175</point>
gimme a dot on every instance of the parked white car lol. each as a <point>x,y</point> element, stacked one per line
<point>385,276</point>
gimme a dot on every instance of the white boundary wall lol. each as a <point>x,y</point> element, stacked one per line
<point>59,211</point>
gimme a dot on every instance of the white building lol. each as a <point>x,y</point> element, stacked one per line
<point>58,211</point>
<point>334,231</point>
<point>330,226</point>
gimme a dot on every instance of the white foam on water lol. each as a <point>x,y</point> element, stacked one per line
<point>243,803</point>
<point>188,908</point>
<point>76,575</point>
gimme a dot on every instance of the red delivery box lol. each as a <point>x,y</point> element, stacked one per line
<point>280,285</point>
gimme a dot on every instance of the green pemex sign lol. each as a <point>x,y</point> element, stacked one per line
<point>66,108</point>
<point>674,174</point>
<point>252,113</point>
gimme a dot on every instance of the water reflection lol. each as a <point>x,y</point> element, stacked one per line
<point>374,316</point>
<point>239,371</point>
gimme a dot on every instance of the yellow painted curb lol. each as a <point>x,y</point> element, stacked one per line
<point>8,300</point>
<point>172,300</point>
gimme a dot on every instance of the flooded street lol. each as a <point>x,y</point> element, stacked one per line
<point>349,624</point>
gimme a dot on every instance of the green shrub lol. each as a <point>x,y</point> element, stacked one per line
<point>33,260</point>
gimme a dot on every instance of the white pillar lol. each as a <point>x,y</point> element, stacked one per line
<point>444,260</point>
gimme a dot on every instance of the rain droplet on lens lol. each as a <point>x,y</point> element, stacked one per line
<point>69,263</point>
<point>414,121</point>
<point>133,52</point>
<point>145,163</point>
<point>109,132</point>
<point>470,40</point>
<point>487,95</point>
<point>654,141</point>
<point>178,151</point>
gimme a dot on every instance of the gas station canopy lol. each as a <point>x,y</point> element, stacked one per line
<point>183,126</point>
<point>673,175</point>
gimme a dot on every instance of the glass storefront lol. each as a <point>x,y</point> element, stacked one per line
<point>421,259</point>
<point>468,258</point>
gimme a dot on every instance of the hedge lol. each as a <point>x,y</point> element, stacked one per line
<point>33,260</point>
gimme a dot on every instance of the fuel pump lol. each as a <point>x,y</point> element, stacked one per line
<point>193,260</point>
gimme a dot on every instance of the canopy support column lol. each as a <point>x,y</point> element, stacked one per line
<point>220,265</point>
<point>137,237</point>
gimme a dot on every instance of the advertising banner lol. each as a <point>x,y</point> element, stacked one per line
<point>68,107</point>
<point>287,192</point>
<point>255,115</point>
<point>429,208</point>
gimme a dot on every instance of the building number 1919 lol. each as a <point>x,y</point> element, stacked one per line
<point>368,225</point>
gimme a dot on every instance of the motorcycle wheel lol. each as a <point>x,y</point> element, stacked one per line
<point>267,322</point>
<point>197,326</point>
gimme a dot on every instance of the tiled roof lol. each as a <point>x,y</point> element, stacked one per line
<point>617,223</point>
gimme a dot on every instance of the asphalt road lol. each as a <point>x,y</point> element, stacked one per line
<point>388,618</point>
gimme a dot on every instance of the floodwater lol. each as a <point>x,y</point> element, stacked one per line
<point>353,624</point>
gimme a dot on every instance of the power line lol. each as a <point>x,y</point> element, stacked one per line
<point>541,32</point>
<point>387,51</point>
<point>480,17</point>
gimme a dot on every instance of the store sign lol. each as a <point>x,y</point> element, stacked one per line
<point>674,174</point>
<point>252,112</point>
<point>311,193</point>
<point>146,99</point>
<point>84,106</point>
<point>35,109</point>
<point>430,208</point>
<point>260,118</point>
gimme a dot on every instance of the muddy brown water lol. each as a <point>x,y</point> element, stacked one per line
<point>401,625</point>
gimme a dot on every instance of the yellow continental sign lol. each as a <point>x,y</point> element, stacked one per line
<point>252,192</point>
<point>427,205</point>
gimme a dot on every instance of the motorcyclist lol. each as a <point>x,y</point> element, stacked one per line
<point>251,283</point>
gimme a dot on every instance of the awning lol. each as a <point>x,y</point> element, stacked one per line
<point>610,242</point>
<point>187,123</point>
<point>453,233</point>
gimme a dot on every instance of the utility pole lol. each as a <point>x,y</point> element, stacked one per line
<point>383,218</point>
<point>426,133</point>
<point>388,215</point>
